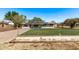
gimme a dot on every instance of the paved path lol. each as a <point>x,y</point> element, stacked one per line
<point>10,35</point>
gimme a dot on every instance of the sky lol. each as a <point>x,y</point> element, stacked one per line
<point>47,14</point>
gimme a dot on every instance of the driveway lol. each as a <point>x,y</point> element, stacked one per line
<point>10,35</point>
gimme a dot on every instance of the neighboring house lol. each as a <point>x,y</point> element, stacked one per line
<point>6,23</point>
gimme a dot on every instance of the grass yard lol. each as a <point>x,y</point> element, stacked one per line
<point>50,32</point>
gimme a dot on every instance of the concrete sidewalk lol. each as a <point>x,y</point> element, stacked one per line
<point>10,35</point>
<point>46,38</point>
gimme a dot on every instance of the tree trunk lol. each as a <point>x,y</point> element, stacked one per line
<point>15,26</point>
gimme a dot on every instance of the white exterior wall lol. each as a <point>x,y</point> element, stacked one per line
<point>54,26</point>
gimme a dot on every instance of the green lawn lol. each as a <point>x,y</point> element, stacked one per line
<point>50,32</point>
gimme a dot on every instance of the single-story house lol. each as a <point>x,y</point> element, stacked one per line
<point>40,24</point>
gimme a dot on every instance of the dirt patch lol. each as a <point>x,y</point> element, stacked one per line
<point>56,45</point>
<point>6,28</point>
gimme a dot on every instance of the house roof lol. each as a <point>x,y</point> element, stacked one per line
<point>36,22</point>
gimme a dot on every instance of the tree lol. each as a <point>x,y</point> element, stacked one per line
<point>9,15</point>
<point>17,19</point>
<point>36,19</point>
<point>71,22</point>
<point>36,22</point>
